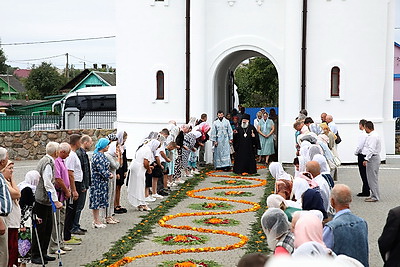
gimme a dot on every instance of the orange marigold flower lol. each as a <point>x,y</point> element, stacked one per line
<point>180,238</point>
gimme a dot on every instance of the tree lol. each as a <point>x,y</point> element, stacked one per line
<point>257,83</point>
<point>44,81</point>
<point>3,65</point>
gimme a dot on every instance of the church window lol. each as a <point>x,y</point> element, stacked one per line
<point>335,82</point>
<point>160,85</point>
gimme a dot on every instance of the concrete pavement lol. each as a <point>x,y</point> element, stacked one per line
<point>98,241</point>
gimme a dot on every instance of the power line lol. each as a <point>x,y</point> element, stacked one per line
<point>35,59</point>
<point>61,41</point>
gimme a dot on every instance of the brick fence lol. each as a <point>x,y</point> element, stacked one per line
<point>32,145</point>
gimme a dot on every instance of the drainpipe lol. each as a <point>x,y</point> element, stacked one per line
<point>187,60</point>
<point>304,56</point>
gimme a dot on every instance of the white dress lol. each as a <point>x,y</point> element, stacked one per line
<point>137,178</point>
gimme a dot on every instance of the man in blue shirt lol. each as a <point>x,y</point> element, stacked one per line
<point>5,209</point>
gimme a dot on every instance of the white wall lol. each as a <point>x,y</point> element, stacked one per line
<point>351,34</point>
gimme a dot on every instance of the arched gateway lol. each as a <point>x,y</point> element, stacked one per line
<point>175,58</point>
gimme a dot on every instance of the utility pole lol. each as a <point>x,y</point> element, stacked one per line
<point>66,67</point>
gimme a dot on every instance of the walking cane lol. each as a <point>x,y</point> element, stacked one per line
<point>55,223</point>
<point>34,218</point>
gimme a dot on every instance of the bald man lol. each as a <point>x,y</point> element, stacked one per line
<point>347,233</point>
<point>314,168</point>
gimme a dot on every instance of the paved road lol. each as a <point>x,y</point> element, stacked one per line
<point>97,241</point>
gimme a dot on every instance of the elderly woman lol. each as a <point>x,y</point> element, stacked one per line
<point>180,168</point>
<point>13,220</point>
<point>308,237</point>
<point>266,130</point>
<point>137,170</point>
<point>100,175</point>
<point>27,188</point>
<point>277,229</point>
<point>121,172</point>
<point>289,207</point>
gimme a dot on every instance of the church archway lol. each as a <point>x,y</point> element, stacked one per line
<point>225,97</point>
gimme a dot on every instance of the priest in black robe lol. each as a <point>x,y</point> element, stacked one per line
<point>246,143</point>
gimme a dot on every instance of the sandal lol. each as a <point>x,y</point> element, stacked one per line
<point>110,221</point>
<point>119,210</point>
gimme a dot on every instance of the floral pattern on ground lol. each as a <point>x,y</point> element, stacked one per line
<point>185,239</point>
<point>217,221</point>
<point>210,206</point>
<point>234,194</point>
<point>232,182</point>
<point>189,263</point>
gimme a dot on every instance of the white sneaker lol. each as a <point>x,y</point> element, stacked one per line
<point>66,248</point>
<point>149,199</point>
<point>180,181</point>
<point>195,172</point>
<point>157,196</point>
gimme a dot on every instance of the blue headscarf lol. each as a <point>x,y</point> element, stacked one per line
<point>312,200</point>
<point>101,144</point>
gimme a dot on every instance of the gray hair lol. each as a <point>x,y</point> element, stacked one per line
<point>64,147</point>
<point>3,153</point>
<point>52,148</point>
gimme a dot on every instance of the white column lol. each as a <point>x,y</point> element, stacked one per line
<point>198,83</point>
<point>290,80</point>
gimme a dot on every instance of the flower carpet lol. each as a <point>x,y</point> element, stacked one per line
<point>195,231</point>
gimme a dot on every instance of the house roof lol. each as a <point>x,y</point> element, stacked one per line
<point>396,44</point>
<point>14,83</point>
<point>22,73</point>
<point>75,81</point>
<point>108,77</point>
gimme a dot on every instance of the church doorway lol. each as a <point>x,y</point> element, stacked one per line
<point>249,78</point>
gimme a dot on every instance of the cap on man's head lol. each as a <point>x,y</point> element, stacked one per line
<point>246,116</point>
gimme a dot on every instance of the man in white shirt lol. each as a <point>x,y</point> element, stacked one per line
<point>360,156</point>
<point>331,124</point>
<point>314,168</point>
<point>372,161</point>
<point>75,174</point>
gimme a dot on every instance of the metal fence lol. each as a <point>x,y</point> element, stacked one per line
<point>97,119</point>
<point>88,120</point>
<point>29,123</point>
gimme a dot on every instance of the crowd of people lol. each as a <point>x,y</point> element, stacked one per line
<point>41,215</point>
<point>308,214</point>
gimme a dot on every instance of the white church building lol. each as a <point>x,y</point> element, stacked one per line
<point>175,59</point>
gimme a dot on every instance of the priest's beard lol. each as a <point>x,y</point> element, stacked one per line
<point>245,125</point>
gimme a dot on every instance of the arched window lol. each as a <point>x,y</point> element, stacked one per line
<point>335,82</point>
<point>160,85</point>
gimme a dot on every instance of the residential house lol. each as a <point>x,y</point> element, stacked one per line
<point>10,87</point>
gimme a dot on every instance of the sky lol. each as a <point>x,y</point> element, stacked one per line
<point>47,20</point>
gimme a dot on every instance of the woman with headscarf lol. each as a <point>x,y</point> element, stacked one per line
<point>289,207</point>
<point>188,146</point>
<point>308,234</point>
<point>100,169</point>
<point>180,168</point>
<point>312,200</point>
<point>277,171</point>
<point>114,156</point>
<point>13,220</point>
<point>121,172</point>
<point>266,129</point>
<point>137,170</point>
<point>193,154</point>
<point>27,188</point>
<point>276,227</point>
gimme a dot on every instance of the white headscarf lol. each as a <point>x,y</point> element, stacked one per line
<point>112,149</point>
<point>120,136</point>
<point>196,133</point>
<point>275,224</point>
<point>276,170</point>
<point>314,150</point>
<point>322,163</point>
<point>275,201</point>
<point>153,144</point>
<point>311,249</point>
<point>300,186</point>
<point>31,180</point>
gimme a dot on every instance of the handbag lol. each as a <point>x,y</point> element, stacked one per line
<point>338,139</point>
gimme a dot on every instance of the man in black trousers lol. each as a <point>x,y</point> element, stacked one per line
<point>360,158</point>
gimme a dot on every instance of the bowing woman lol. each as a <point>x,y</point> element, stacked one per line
<point>245,143</point>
